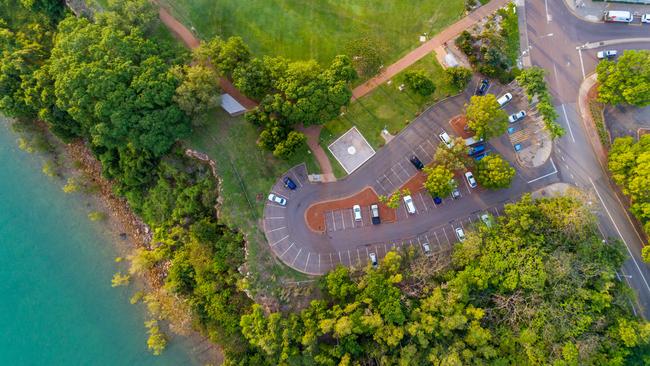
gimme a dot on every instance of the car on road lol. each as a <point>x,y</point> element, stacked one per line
<point>504,99</point>
<point>416,162</point>
<point>356,209</point>
<point>487,220</point>
<point>470,179</point>
<point>373,260</point>
<point>289,183</point>
<point>444,137</point>
<point>426,248</point>
<point>517,116</point>
<point>374,214</point>
<point>460,234</point>
<point>606,54</point>
<point>475,150</point>
<point>455,193</point>
<point>645,18</point>
<point>277,199</point>
<point>483,87</point>
<point>410,206</point>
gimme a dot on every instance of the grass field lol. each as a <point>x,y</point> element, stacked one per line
<point>247,174</point>
<point>388,107</point>
<point>319,29</point>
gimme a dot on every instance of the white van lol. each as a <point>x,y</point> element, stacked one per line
<point>410,207</point>
<point>619,16</point>
<point>444,137</point>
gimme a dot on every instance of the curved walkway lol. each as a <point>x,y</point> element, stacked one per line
<point>448,34</point>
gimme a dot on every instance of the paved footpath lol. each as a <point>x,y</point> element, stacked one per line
<point>448,34</point>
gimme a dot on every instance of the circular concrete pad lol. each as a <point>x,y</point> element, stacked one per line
<point>352,150</point>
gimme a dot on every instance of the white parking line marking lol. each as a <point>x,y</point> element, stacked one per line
<point>340,261</point>
<point>445,232</point>
<point>438,240</point>
<point>274,244</point>
<point>285,252</point>
<point>423,204</point>
<point>397,175</point>
<point>429,156</point>
<point>307,264</point>
<point>367,254</point>
<point>319,261</point>
<point>352,220</point>
<point>277,206</point>
<point>275,218</point>
<point>385,250</point>
<point>294,260</point>
<point>280,228</point>
<point>388,179</point>
<point>497,210</point>
<point>349,258</point>
<point>333,220</point>
<point>342,219</point>
<point>358,256</point>
<point>432,145</point>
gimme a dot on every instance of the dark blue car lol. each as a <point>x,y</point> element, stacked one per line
<point>476,150</point>
<point>289,183</point>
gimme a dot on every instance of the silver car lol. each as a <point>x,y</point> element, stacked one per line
<point>516,116</point>
<point>460,234</point>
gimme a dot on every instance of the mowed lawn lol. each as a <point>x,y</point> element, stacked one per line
<point>319,29</point>
<point>387,107</point>
<point>247,174</point>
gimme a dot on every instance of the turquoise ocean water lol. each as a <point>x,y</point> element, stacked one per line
<point>56,303</point>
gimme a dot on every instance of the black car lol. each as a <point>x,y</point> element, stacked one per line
<point>289,183</point>
<point>483,87</point>
<point>374,214</point>
<point>416,162</point>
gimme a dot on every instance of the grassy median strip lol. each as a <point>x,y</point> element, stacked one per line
<point>596,109</point>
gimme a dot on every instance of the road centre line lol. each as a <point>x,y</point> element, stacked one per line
<point>621,236</point>
<point>274,244</point>
<point>568,123</point>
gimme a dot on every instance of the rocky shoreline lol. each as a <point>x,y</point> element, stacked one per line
<point>128,230</point>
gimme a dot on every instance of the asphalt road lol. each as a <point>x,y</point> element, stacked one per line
<point>554,41</point>
<point>551,39</point>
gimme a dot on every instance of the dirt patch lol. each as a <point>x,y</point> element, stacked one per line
<point>416,183</point>
<point>315,214</point>
<point>459,123</point>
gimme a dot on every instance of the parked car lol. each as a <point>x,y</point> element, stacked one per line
<point>480,156</point>
<point>373,260</point>
<point>277,199</point>
<point>289,183</point>
<point>456,192</point>
<point>483,87</point>
<point>504,99</point>
<point>410,206</point>
<point>374,214</point>
<point>356,209</point>
<point>645,18</point>
<point>487,220</point>
<point>437,200</point>
<point>416,162</point>
<point>470,179</point>
<point>606,54</point>
<point>475,150</point>
<point>426,248</point>
<point>444,137</point>
<point>516,116</point>
<point>460,234</point>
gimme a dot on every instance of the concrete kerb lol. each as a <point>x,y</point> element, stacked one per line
<point>610,42</point>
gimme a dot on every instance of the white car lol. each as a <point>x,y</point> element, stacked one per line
<point>410,206</point>
<point>444,137</point>
<point>460,234</point>
<point>606,54</point>
<point>373,260</point>
<point>504,99</point>
<point>357,212</point>
<point>277,199</point>
<point>426,248</point>
<point>470,179</point>
<point>516,116</point>
<point>486,220</point>
<point>645,18</point>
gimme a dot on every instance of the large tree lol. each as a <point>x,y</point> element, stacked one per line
<point>627,80</point>
<point>439,181</point>
<point>198,91</point>
<point>494,172</point>
<point>454,157</point>
<point>485,116</point>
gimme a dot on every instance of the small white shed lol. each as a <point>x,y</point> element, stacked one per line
<point>232,106</point>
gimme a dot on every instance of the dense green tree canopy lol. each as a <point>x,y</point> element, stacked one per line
<point>538,287</point>
<point>494,172</point>
<point>626,80</point>
<point>419,82</point>
<point>629,162</point>
<point>439,181</point>
<point>485,116</point>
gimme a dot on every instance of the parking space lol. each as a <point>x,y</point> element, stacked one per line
<point>343,219</point>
